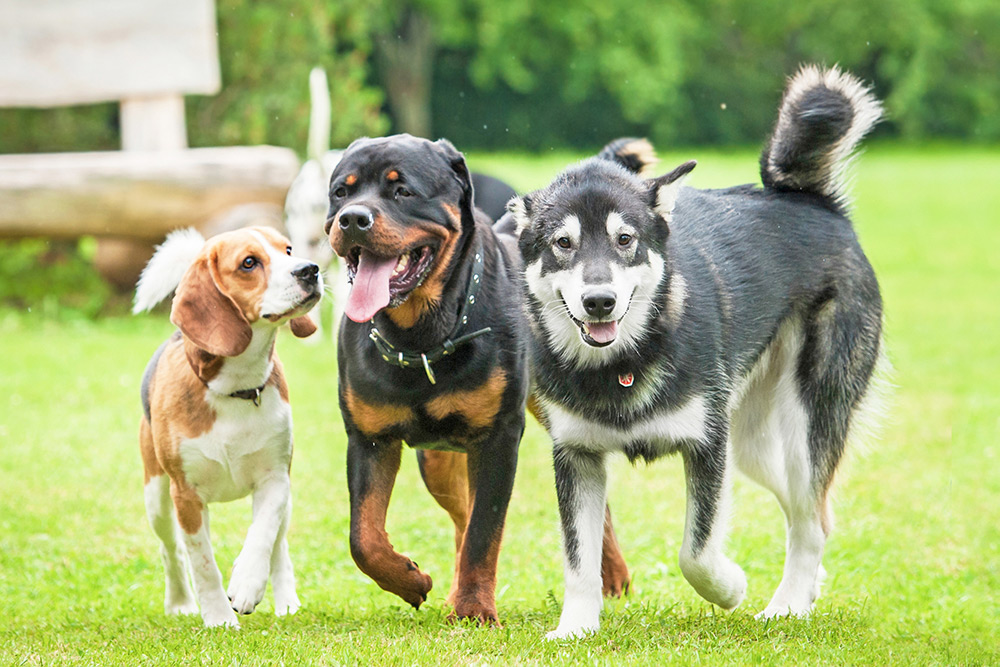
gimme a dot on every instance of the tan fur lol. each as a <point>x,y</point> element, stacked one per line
<point>375,418</point>
<point>478,407</point>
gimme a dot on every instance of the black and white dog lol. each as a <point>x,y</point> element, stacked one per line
<point>739,327</point>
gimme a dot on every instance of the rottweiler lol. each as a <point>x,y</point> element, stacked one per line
<point>432,352</point>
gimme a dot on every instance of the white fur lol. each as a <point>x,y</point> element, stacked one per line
<point>634,287</point>
<point>867,111</point>
<point>164,271</point>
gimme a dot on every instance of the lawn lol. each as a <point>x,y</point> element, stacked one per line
<point>914,562</point>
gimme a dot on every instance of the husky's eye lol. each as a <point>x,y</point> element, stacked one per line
<point>288,250</point>
<point>249,263</point>
<point>340,192</point>
<point>624,240</point>
<point>402,192</point>
<point>564,242</point>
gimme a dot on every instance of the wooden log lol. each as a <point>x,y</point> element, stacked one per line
<point>137,195</point>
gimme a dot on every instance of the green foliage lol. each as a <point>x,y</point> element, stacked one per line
<point>267,50</point>
<point>53,279</point>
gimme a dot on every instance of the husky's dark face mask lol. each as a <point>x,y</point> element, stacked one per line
<point>593,268</point>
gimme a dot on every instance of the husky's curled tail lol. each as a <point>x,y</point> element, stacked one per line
<point>823,116</point>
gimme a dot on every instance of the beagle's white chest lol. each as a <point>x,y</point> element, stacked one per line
<point>246,444</point>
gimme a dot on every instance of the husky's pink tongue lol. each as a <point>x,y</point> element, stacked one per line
<point>370,291</point>
<point>603,332</point>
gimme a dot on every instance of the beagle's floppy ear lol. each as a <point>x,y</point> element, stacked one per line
<point>207,316</point>
<point>302,326</point>
<point>663,191</point>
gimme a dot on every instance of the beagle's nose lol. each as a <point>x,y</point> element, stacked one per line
<point>306,273</point>
<point>599,303</point>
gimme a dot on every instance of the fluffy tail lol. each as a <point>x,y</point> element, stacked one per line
<point>319,114</point>
<point>823,116</point>
<point>164,272</point>
<point>636,155</point>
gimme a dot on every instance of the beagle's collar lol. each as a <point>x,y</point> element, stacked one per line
<point>250,394</point>
<point>407,358</point>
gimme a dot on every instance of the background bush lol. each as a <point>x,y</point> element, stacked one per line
<point>523,74</point>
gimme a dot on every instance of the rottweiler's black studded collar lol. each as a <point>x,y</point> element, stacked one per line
<point>406,358</point>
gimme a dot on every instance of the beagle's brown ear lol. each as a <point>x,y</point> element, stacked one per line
<point>302,326</point>
<point>211,319</point>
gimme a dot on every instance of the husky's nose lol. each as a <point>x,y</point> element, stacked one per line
<point>599,302</point>
<point>306,273</point>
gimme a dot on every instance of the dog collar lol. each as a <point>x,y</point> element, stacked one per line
<point>249,394</point>
<point>406,358</point>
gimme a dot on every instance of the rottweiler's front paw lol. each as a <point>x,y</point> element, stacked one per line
<point>414,587</point>
<point>485,613</point>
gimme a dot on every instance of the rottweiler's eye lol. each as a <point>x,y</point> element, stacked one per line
<point>624,239</point>
<point>564,242</point>
<point>340,192</point>
<point>402,192</point>
<point>288,250</point>
<point>249,263</point>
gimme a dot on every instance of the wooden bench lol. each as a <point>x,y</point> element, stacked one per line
<point>146,56</point>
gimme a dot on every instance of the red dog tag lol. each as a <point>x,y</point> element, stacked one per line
<point>626,380</point>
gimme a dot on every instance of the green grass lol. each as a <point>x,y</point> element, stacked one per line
<point>914,562</point>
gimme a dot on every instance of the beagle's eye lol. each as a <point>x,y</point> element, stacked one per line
<point>564,242</point>
<point>624,240</point>
<point>249,263</point>
<point>288,250</point>
<point>401,191</point>
<point>340,192</point>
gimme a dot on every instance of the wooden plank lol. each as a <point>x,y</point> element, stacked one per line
<point>64,52</point>
<point>140,195</point>
<point>153,123</point>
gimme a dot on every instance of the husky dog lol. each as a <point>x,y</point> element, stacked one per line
<point>738,327</point>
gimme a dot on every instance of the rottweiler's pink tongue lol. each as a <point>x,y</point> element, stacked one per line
<point>603,332</point>
<point>370,291</point>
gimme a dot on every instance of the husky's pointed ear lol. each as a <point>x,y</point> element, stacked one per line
<point>663,190</point>
<point>520,208</point>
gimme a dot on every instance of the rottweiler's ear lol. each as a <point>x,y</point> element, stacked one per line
<point>663,190</point>
<point>302,326</point>
<point>520,208</point>
<point>457,163</point>
<point>207,316</point>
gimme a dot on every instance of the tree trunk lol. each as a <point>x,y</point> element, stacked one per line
<point>405,58</point>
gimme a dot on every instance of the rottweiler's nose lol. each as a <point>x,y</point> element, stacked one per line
<point>306,273</point>
<point>599,302</point>
<point>357,217</point>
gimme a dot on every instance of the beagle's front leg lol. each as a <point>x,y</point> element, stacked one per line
<point>271,503</point>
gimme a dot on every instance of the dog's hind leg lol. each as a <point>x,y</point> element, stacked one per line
<point>286,600</point>
<point>581,489</point>
<point>446,476</point>
<point>615,578</point>
<point>714,576</point>
<point>178,598</point>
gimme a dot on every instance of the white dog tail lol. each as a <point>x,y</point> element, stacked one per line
<point>166,268</point>
<point>823,117</point>
<point>319,114</point>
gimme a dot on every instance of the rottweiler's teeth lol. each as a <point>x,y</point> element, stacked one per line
<point>404,261</point>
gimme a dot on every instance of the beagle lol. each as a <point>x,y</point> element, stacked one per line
<point>217,425</point>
